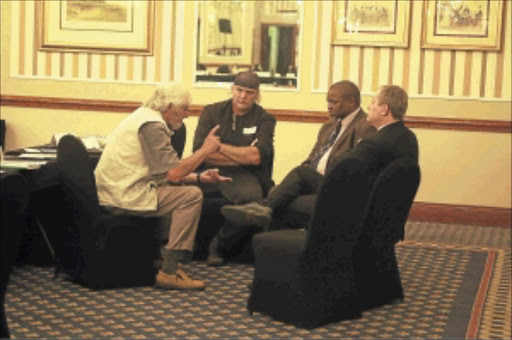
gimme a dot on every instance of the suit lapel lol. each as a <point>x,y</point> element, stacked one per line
<point>360,115</point>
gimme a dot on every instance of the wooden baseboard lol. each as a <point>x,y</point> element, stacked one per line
<point>461,214</point>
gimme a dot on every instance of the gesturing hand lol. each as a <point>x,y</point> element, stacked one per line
<point>212,142</point>
<point>212,176</point>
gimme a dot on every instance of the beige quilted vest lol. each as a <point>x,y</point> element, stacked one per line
<point>122,176</point>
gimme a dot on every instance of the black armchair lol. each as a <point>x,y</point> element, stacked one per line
<point>376,270</point>
<point>306,278</point>
<point>14,213</point>
<point>178,139</point>
<point>101,250</point>
<point>2,134</point>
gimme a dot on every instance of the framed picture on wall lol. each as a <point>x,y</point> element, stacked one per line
<point>226,32</point>
<point>371,23</point>
<point>98,26</point>
<point>462,24</point>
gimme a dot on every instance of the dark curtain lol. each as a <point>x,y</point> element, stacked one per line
<point>2,134</point>
<point>265,48</point>
<point>286,48</point>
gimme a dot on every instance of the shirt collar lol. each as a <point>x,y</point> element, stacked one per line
<point>383,126</point>
<point>350,117</point>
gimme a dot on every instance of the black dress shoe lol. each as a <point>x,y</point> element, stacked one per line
<point>250,214</point>
<point>215,261</point>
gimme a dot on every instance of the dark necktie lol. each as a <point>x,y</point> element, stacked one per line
<point>327,145</point>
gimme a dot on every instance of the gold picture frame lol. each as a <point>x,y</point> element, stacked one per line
<point>96,26</point>
<point>371,23</point>
<point>462,25</point>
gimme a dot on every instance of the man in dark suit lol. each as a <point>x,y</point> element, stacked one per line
<point>348,124</point>
<point>393,139</point>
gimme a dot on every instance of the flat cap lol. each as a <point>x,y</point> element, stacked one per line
<point>247,79</point>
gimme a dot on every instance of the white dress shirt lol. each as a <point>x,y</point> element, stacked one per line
<point>345,122</point>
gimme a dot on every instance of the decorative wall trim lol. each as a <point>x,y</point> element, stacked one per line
<point>68,103</point>
<point>461,214</point>
<point>436,123</point>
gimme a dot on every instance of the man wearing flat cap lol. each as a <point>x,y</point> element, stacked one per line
<point>246,152</point>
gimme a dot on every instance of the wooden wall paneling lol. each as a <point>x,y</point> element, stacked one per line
<point>496,126</point>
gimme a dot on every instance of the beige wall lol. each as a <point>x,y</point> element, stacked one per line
<point>458,167</point>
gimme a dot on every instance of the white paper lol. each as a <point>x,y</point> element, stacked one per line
<point>91,142</point>
<point>32,150</point>
<point>37,156</point>
<point>20,164</point>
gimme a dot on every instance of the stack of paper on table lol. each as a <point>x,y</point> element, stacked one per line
<point>21,164</point>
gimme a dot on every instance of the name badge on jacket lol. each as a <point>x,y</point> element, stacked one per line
<point>250,130</point>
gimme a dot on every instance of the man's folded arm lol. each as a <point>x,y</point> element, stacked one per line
<point>234,155</point>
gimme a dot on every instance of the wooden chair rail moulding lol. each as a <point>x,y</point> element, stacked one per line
<point>436,123</point>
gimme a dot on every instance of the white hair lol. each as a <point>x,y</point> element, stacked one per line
<point>167,94</point>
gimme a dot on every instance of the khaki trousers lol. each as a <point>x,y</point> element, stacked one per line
<point>183,205</point>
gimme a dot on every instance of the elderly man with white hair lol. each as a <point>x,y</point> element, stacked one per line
<point>140,173</point>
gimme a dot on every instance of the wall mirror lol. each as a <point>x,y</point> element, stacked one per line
<point>234,36</point>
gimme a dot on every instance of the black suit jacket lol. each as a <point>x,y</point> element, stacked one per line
<point>391,142</point>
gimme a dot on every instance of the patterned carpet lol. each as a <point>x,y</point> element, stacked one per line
<point>459,235</point>
<point>456,290</point>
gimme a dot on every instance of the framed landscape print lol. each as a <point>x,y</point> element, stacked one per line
<point>462,24</point>
<point>99,26</point>
<point>371,23</point>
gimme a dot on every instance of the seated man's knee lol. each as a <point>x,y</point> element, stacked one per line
<point>303,169</point>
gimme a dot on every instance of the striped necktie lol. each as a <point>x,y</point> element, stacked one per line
<point>330,142</point>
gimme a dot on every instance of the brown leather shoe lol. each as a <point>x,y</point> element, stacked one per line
<point>179,280</point>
